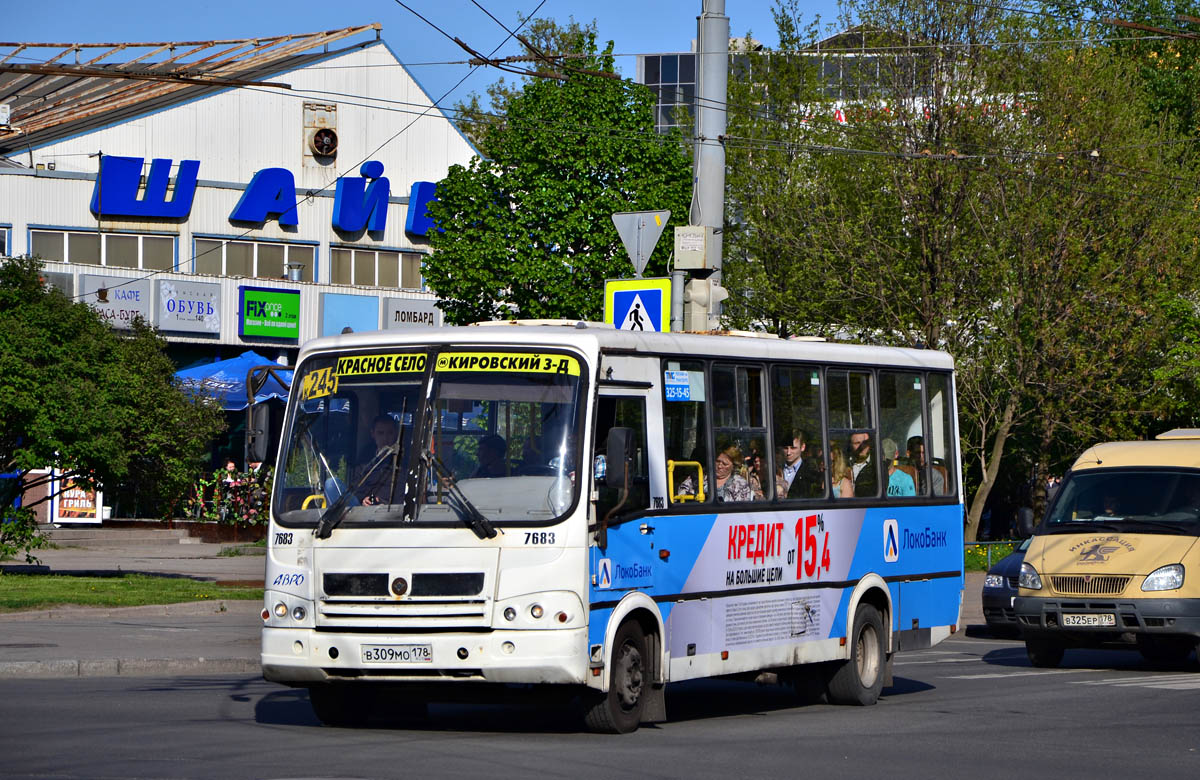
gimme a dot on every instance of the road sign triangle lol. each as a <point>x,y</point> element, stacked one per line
<point>639,232</point>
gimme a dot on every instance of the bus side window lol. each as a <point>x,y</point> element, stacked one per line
<point>685,429</point>
<point>619,412</point>
<point>901,427</point>
<point>740,466</point>
<point>799,466</point>
<point>939,447</point>
<point>852,419</point>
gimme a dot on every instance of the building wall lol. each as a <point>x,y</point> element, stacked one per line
<point>234,134</point>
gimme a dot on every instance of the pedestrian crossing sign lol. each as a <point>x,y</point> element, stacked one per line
<point>638,304</point>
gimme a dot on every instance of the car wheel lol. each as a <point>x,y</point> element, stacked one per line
<point>1044,653</point>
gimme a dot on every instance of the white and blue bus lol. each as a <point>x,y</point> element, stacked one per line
<point>607,512</point>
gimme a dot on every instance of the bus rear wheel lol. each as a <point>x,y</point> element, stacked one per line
<point>619,711</point>
<point>859,680</point>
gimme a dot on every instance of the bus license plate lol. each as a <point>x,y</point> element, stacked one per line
<point>1089,620</point>
<point>397,654</point>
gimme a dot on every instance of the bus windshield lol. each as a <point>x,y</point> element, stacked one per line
<point>1144,500</point>
<point>425,437</point>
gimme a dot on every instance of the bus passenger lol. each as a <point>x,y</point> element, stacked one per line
<point>842,477</point>
<point>493,451</point>
<point>937,477</point>
<point>899,482</point>
<point>731,486</point>
<point>866,482</point>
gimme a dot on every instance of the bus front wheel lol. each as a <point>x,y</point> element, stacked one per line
<point>619,711</point>
<point>339,704</point>
<point>859,680</point>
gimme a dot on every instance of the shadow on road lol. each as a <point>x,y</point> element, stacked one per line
<point>522,710</point>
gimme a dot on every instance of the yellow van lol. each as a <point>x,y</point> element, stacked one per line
<point>1115,561</point>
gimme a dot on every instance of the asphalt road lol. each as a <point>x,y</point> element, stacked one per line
<point>966,708</point>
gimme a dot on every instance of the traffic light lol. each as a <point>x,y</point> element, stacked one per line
<point>702,304</point>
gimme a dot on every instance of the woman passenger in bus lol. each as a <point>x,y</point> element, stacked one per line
<point>843,482</point>
<point>731,485</point>
<point>756,471</point>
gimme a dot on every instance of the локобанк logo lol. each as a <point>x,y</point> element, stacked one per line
<point>604,573</point>
<point>891,540</point>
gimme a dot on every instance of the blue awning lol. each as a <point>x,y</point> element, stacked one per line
<point>225,380</point>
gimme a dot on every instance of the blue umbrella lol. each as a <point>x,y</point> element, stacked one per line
<point>225,380</point>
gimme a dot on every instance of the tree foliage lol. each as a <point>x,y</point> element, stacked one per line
<point>560,43</point>
<point>1012,204</point>
<point>528,231</point>
<point>101,407</point>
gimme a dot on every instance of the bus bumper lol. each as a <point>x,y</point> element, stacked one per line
<point>298,656</point>
<point>1049,617</point>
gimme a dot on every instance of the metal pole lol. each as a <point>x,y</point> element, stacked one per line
<point>708,205</point>
<point>678,279</point>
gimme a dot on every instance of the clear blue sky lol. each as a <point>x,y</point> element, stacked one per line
<point>635,26</point>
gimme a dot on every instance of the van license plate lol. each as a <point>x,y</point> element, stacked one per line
<point>397,654</point>
<point>1089,620</point>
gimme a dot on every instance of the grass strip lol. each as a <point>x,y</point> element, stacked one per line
<point>36,591</point>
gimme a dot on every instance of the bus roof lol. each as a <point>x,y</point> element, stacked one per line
<point>1173,451</point>
<point>594,337</point>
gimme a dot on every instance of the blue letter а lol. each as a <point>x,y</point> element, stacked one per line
<point>116,191</point>
<point>352,206</point>
<point>271,192</point>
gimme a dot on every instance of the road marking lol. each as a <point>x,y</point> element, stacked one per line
<point>936,661</point>
<point>997,676</point>
<point>1173,682</point>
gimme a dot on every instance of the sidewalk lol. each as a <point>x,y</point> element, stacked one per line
<point>177,639</point>
<point>219,637</point>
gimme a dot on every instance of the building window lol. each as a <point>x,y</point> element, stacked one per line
<point>253,259</point>
<point>115,250</point>
<point>672,80</point>
<point>371,268</point>
<point>4,241</point>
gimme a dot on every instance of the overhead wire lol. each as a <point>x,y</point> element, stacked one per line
<point>311,193</point>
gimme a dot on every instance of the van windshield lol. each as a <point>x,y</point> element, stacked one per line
<point>1143,500</point>
<point>432,437</point>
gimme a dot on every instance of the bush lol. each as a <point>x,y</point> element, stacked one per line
<point>18,534</point>
<point>975,556</point>
<point>232,498</point>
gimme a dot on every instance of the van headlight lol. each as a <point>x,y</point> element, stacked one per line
<point>993,581</point>
<point>1029,578</point>
<point>1165,578</point>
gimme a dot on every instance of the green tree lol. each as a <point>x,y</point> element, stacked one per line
<point>561,44</point>
<point>1167,67</point>
<point>528,231</point>
<point>101,407</point>
<point>1009,204</point>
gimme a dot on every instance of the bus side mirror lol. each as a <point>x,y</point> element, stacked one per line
<point>619,457</point>
<point>1025,522</point>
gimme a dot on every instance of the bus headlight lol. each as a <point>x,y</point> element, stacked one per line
<point>1029,578</point>
<point>1165,578</point>
<point>281,610</point>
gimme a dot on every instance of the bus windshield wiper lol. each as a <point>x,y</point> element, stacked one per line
<point>334,514</point>
<point>467,511</point>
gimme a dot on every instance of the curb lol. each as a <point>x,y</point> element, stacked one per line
<point>239,607</point>
<point>126,667</point>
